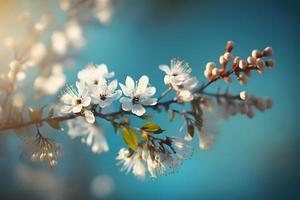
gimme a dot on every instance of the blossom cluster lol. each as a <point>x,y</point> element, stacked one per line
<point>178,77</point>
<point>240,67</point>
<point>155,156</point>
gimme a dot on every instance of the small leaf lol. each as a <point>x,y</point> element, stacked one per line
<point>146,117</point>
<point>152,128</point>
<point>54,123</point>
<point>51,112</point>
<point>35,115</point>
<point>130,138</point>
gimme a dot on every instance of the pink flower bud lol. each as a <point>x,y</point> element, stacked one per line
<point>244,95</point>
<point>251,60</point>
<point>222,60</point>
<point>210,66</point>
<point>227,56</point>
<point>270,63</point>
<point>260,65</point>
<point>256,54</point>
<point>215,72</point>
<point>243,64</point>
<point>236,60</point>
<point>268,51</point>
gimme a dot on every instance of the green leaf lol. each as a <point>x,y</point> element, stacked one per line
<point>53,123</point>
<point>152,128</point>
<point>35,115</point>
<point>130,138</point>
<point>146,117</point>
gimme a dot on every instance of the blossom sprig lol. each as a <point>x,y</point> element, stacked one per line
<point>241,68</point>
<point>150,148</point>
<point>44,150</point>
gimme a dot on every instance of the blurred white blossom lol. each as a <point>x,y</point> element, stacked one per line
<point>90,134</point>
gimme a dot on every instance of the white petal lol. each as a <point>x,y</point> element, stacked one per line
<point>77,108</point>
<point>126,103</point>
<point>167,79</point>
<point>164,68</point>
<point>116,95</point>
<point>80,86</point>
<point>138,109</point>
<point>142,85</point>
<point>130,83</point>
<point>150,91</point>
<point>66,109</point>
<point>149,102</point>
<point>126,90</point>
<point>67,98</point>
<point>113,85</point>
<point>86,101</point>
<point>89,116</point>
<point>186,95</point>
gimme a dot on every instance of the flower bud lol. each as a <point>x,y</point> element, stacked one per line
<point>236,60</point>
<point>242,79</point>
<point>243,108</point>
<point>243,64</point>
<point>244,95</point>
<point>207,74</point>
<point>15,64</point>
<point>215,72</point>
<point>222,60</point>
<point>210,66</point>
<point>260,65</point>
<point>53,164</point>
<point>227,79</point>
<point>268,51</point>
<point>227,56</point>
<point>251,60</point>
<point>256,54</point>
<point>270,63</point>
<point>229,46</point>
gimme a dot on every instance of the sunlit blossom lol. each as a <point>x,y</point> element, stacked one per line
<point>138,94</point>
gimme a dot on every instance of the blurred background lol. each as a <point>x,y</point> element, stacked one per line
<point>251,158</point>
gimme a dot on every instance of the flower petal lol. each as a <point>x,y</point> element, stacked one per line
<point>149,101</point>
<point>77,108</point>
<point>126,103</point>
<point>113,85</point>
<point>66,109</point>
<point>86,101</point>
<point>142,85</point>
<point>165,68</point>
<point>127,91</point>
<point>138,109</point>
<point>89,116</point>
<point>130,83</point>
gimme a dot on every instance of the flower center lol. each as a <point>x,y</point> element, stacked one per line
<point>102,96</point>
<point>78,101</point>
<point>135,100</point>
<point>96,82</point>
<point>174,74</point>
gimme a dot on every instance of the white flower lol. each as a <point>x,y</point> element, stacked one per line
<point>178,77</point>
<point>94,74</point>
<point>139,95</point>
<point>51,84</point>
<point>185,87</point>
<point>104,94</point>
<point>177,72</point>
<point>133,162</point>
<point>91,135</point>
<point>75,101</point>
<point>59,43</point>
